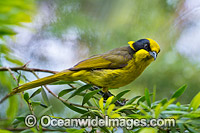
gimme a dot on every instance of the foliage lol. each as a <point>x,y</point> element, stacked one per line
<point>139,107</point>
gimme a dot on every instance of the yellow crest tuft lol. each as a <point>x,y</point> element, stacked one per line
<point>154,45</point>
<point>131,44</point>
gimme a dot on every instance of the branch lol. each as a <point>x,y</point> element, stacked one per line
<point>24,68</point>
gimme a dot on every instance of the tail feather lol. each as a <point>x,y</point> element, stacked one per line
<point>43,81</point>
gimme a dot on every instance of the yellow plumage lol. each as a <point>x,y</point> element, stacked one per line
<point>113,69</point>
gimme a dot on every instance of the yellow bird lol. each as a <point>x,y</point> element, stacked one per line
<point>113,69</point>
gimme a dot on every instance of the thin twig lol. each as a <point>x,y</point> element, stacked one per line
<point>13,75</point>
<point>24,68</point>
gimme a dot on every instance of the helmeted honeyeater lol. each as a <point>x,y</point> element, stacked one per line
<point>113,69</point>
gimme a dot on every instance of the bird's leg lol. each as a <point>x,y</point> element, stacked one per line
<point>107,94</point>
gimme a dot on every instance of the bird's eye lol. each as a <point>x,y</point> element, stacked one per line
<point>146,46</point>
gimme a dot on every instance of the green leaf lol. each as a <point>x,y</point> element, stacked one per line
<point>5,131</point>
<point>71,130</point>
<point>76,109</point>
<point>36,93</point>
<point>35,103</point>
<point>26,97</point>
<point>44,111</point>
<point>13,60</point>
<point>123,107</point>
<point>142,99</point>
<point>132,100</point>
<point>101,104</point>
<point>158,110</point>
<point>147,97</point>
<point>190,128</point>
<point>148,130</point>
<point>164,101</point>
<point>108,101</point>
<point>119,96</point>
<point>179,92</point>
<point>174,112</point>
<point>195,102</point>
<point>110,109</point>
<point>79,90</point>
<point>46,99</point>
<point>64,92</point>
<point>89,95</point>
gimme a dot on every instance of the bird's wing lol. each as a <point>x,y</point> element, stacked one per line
<point>114,59</point>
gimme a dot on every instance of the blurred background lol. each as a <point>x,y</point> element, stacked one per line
<point>56,34</point>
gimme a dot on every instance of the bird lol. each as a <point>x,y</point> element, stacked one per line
<point>113,69</point>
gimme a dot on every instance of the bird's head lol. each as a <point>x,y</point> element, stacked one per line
<point>145,48</point>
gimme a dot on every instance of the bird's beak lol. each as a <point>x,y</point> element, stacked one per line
<point>153,54</point>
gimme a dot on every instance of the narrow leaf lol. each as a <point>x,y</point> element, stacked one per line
<point>110,109</point>
<point>64,92</point>
<point>101,104</point>
<point>147,97</point>
<point>119,95</point>
<point>36,93</point>
<point>195,102</point>
<point>79,90</point>
<point>78,110</point>
<point>44,111</point>
<point>108,101</point>
<point>89,95</point>
<point>132,100</point>
<point>26,97</point>
<point>179,92</point>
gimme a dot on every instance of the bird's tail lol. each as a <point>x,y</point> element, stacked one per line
<point>65,75</point>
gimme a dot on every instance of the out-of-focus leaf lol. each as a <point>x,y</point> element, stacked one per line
<point>6,31</point>
<point>115,115</point>
<point>13,60</point>
<point>158,110</point>
<point>195,102</point>
<point>17,121</point>
<point>148,130</point>
<point>64,92</point>
<point>5,131</point>
<point>79,90</point>
<point>71,130</point>
<point>44,111</point>
<point>110,109</point>
<point>46,99</point>
<point>132,100</point>
<point>89,95</point>
<point>13,107</point>
<point>164,101</point>
<point>147,97</point>
<point>179,92</point>
<point>174,112</point>
<point>36,93</point>
<point>118,96</point>
<point>190,129</point>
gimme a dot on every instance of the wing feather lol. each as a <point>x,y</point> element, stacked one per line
<point>113,59</point>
